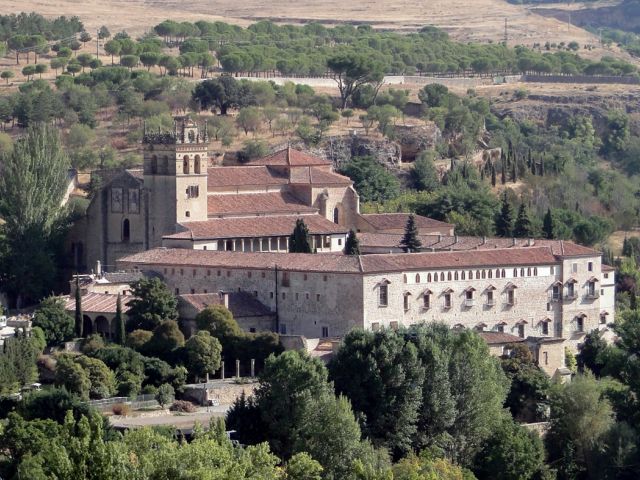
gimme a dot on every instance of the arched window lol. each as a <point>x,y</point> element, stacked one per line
<point>515,272</point>
<point>442,276</point>
<point>470,275</point>
<point>490,273</point>
<point>154,165</point>
<point>477,274</point>
<point>417,278</point>
<point>449,276</point>
<point>463,275</point>
<point>404,278</point>
<point>455,276</point>
<point>185,164</point>
<point>504,274</point>
<point>336,215</point>
<point>522,272</point>
<point>484,274</point>
<point>196,164</point>
<point>535,271</point>
<point>529,272</point>
<point>497,273</point>
<point>428,278</point>
<point>126,231</point>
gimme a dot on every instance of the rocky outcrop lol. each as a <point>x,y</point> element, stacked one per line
<point>414,139</point>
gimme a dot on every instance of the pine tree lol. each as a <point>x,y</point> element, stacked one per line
<point>410,242</point>
<point>504,220</point>
<point>119,319</point>
<point>547,225</point>
<point>352,247</point>
<point>299,241</point>
<point>523,227</point>
<point>78,317</point>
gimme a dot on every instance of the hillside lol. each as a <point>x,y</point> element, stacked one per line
<point>485,22</point>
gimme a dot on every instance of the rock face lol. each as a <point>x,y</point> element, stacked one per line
<point>341,149</point>
<point>414,139</point>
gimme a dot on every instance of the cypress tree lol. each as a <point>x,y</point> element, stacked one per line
<point>410,242</point>
<point>493,175</point>
<point>627,249</point>
<point>119,319</point>
<point>522,227</point>
<point>503,178</point>
<point>633,300</point>
<point>352,246</point>
<point>504,220</point>
<point>547,225</point>
<point>514,172</point>
<point>78,318</point>
<point>299,241</point>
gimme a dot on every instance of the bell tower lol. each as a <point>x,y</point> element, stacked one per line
<point>175,176</point>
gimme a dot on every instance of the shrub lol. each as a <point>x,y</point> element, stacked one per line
<point>182,406</point>
<point>122,409</point>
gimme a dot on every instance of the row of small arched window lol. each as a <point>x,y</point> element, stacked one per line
<point>186,164</point>
<point>462,275</point>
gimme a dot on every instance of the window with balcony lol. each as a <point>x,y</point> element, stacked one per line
<point>571,291</point>
<point>490,300</point>
<point>545,327</point>
<point>555,292</point>
<point>447,300</point>
<point>468,297</point>
<point>511,296</point>
<point>580,324</point>
<point>521,330</point>
<point>426,300</point>
<point>406,303</point>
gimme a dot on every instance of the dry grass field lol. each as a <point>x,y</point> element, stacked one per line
<point>466,20</point>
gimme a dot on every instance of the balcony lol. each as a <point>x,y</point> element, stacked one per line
<point>555,297</point>
<point>510,302</point>
<point>570,297</point>
<point>469,302</point>
<point>592,295</point>
<point>490,302</point>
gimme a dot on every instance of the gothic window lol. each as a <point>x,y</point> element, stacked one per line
<point>522,272</point>
<point>185,165</point>
<point>497,273</point>
<point>429,278</point>
<point>580,324</point>
<point>529,272</point>
<point>504,274</point>
<point>406,301</point>
<point>442,276</point>
<point>336,215</point>
<point>484,274</point>
<point>196,165</point>
<point>455,275</point>
<point>515,272</point>
<point>126,231</point>
<point>116,200</point>
<point>477,274</point>
<point>383,295</point>
<point>417,278</point>
<point>535,271</point>
<point>449,276</point>
<point>463,275</point>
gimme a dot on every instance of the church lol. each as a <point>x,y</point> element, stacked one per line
<point>181,199</point>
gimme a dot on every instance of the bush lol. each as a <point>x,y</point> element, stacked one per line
<point>182,406</point>
<point>122,409</point>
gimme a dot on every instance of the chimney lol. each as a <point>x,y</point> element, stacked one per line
<point>224,298</point>
<point>98,269</point>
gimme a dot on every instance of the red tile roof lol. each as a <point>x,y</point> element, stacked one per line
<point>256,203</point>
<point>368,264</point>
<point>460,243</point>
<point>607,268</point>
<point>290,157</point>
<point>224,177</point>
<point>316,176</point>
<point>249,227</point>
<point>241,304</point>
<point>385,221</point>
<point>498,338</point>
<point>97,303</point>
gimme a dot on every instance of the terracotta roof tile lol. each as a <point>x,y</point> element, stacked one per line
<point>290,157</point>
<point>384,221</point>
<point>248,227</point>
<point>256,203</point>
<point>497,338</point>
<point>244,176</point>
<point>369,264</point>
<point>317,176</point>
<point>607,268</point>
<point>97,303</point>
<point>241,304</point>
<point>461,243</point>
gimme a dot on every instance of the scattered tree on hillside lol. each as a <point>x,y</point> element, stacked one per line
<point>523,227</point>
<point>410,241</point>
<point>504,220</point>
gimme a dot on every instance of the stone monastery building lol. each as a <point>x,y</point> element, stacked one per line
<point>207,229</point>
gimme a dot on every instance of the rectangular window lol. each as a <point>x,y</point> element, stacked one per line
<point>285,279</point>
<point>556,292</point>
<point>545,358</point>
<point>574,268</point>
<point>375,326</point>
<point>545,328</point>
<point>590,266</point>
<point>580,324</point>
<point>194,272</point>
<point>193,290</point>
<point>383,295</point>
<point>193,191</point>
<point>283,329</point>
<point>228,273</point>
<point>511,297</point>
<point>447,300</point>
<point>255,293</point>
<point>317,297</point>
<point>490,297</point>
<point>284,295</point>
<point>252,330</point>
<point>521,330</point>
<point>606,275</point>
<point>219,273</point>
<point>603,319</point>
<point>426,301</point>
<point>570,291</point>
<point>270,294</point>
<point>177,291</point>
<point>297,296</point>
<point>325,332</point>
<point>406,303</point>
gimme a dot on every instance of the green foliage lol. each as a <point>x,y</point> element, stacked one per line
<point>252,149</point>
<point>120,335</point>
<point>424,173</point>
<point>410,241</point>
<point>352,245</point>
<point>371,180</point>
<point>303,467</point>
<point>504,220</point>
<point>18,361</point>
<point>151,305</point>
<point>203,354</point>
<point>510,452</point>
<point>522,227</point>
<point>101,378</point>
<point>32,187</point>
<point>165,339</point>
<point>164,395</point>
<point>72,376</point>
<point>222,93</point>
<point>428,467</point>
<point>592,353</point>
<point>54,321</point>
<point>299,240</point>
<point>570,360</point>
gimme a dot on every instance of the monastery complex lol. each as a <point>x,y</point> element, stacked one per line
<point>219,234</point>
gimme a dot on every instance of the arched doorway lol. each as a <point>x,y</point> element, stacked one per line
<point>126,231</point>
<point>103,327</point>
<point>196,165</point>
<point>87,326</point>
